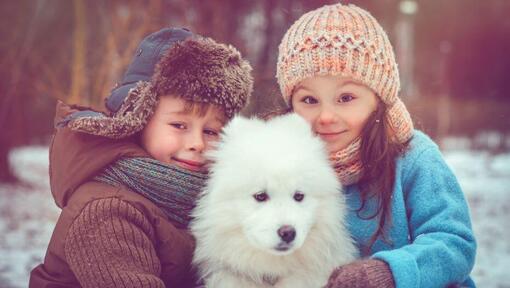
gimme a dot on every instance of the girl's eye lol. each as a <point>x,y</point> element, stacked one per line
<point>309,100</point>
<point>178,125</point>
<point>346,98</point>
<point>298,196</point>
<point>210,132</point>
<point>261,196</point>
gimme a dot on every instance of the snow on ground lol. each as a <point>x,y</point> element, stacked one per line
<point>28,214</point>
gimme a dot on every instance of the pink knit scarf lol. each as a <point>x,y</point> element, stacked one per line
<point>347,163</point>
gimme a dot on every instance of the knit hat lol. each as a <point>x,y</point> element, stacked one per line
<point>347,41</point>
<point>170,61</point>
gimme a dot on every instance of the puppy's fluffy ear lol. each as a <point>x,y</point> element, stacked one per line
<point>240,125</point>
<point>234,132</point>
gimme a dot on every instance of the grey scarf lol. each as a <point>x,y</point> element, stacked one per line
<point>173,189</point>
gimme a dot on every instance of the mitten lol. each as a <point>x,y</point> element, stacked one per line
<point>366,273</point>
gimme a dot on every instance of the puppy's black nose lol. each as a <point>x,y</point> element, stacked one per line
<point>287,233</point>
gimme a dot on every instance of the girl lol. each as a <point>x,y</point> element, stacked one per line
<point>336,68</point>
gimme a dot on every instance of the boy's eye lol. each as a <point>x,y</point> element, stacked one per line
<point>346,98</point>
<point>178,125</point>
<point>211,132</point>
<point>309,100</point>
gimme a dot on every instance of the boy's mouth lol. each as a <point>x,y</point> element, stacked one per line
<point>189,164</point>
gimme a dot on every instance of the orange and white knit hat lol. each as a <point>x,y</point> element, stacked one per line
<point>344,40</point>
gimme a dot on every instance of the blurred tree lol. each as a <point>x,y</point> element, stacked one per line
<point>462,54</point>
<point>77,50</point>
<point>78,79</point>
<point>99,54</point>
<point>19,37</point>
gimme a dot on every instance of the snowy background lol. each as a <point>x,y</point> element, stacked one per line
<point>28,214</point>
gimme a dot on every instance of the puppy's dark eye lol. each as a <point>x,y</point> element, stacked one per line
<point>261,196</point>
<point>298,196</point>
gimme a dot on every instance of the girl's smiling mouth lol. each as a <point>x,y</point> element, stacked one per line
<point>328,136</point>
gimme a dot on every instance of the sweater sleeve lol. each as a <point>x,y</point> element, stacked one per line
<point>443,247</point>
<point>110,244</point>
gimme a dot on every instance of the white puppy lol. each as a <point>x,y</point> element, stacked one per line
<point>272,212</point>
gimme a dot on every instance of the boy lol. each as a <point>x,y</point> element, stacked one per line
<point>127,183</point>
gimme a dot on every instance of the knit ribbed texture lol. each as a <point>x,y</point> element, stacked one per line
<point>111,244</point>
<point>172,188</point>
<point>338,40</point>
<point>344,40</point>
<point>347,163</point>
<point>362,274</point>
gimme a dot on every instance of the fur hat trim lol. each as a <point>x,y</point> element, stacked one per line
<point>197,70</point>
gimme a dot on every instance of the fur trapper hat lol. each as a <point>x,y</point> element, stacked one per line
<point>177,63</point>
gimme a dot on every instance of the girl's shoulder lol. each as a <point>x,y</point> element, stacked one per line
<point>420,144</point>
<point>422,153</point>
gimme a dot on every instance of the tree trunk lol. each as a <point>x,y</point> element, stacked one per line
<point>78,75</point>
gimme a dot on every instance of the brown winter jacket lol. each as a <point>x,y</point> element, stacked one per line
<point>106,236</point>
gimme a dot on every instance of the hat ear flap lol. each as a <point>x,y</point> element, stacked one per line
<point>132,117</point>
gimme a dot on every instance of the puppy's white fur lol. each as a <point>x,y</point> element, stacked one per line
<point>237,236</point>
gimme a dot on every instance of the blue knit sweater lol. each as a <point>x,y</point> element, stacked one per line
<point>431,240</point>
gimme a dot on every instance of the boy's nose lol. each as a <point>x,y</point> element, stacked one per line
<point>196,142</point>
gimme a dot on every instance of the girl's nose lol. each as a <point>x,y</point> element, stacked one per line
<point>327,116</point>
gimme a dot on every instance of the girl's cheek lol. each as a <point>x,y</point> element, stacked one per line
<point>359,124</point>
<point>308,114</point>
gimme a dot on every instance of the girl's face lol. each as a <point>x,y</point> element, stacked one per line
<point>337,108</point>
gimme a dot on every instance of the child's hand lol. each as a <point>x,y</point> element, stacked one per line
<point>362,274</point>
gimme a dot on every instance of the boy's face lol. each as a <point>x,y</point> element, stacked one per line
<point>175,135</point>
<point>337,108</point>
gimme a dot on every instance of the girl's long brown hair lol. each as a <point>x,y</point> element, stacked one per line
<point>378,157</point>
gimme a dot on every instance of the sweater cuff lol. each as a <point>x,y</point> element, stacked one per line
<point>379,274</point>
<point>403,267</point>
